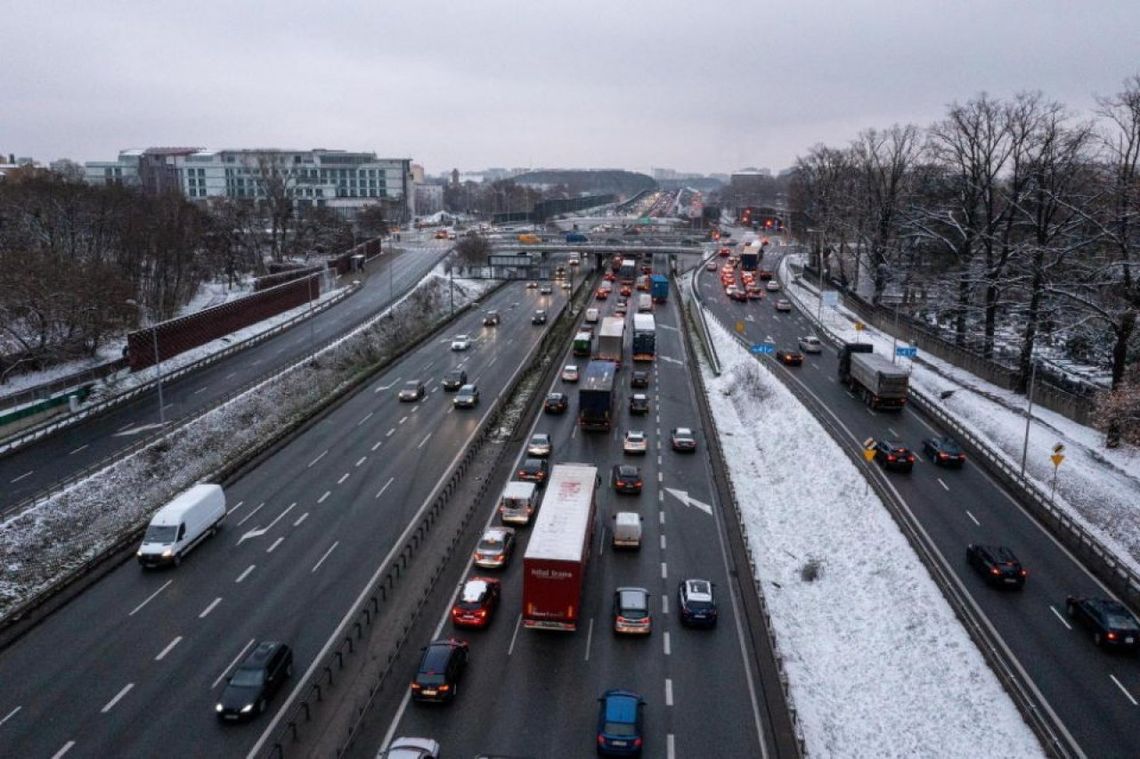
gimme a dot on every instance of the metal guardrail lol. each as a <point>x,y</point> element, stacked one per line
<point>696,310</point>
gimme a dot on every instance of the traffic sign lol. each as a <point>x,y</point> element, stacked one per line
<point>869,442</point>
<point>859,326</point>
<point>763,348</point>
<point>906,352</point>
<point>740,327</point>
<point>868,453</point>
<point>1057,458</point>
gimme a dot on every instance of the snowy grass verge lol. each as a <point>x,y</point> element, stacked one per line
<point>43,546</point>
<point>877,663</point>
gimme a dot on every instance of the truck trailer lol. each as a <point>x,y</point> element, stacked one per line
<point>611,340</point>
<point>659,288</point>
<point>881,384</point>
<point>554,566</point>
<point>644,337</point>
<point>596,396</point>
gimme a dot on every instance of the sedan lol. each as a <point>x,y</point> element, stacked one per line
<point>539,317</point>
<point>255,681</point>
<point>639,403</point>
<point>893,455</point>
<point>460,342</point>
<point>626,479</point>
<point>997,565</point>
<point>555,403</point>
<point>545,290</point>
<point>810,344</point>
<point>412,748</point>
<point>639,378</point>
<point>454,379</point>
<point>683,439</point>
<point>773,286</point>
<point>467,397</point>
<point>539,445</point>
<point>533,470</point>
<point>476,602</point>
<point>710,266</point>
<point>783,304</point>
<point>602,294</point>
<point>625,291</point>
<point>531,285</point>
<point>790,358</point>
<point>570,373</point>
<point>635,442</point>
<point>944,451</point>
<point>1111,622</point>
<point>412,391</point>
<point>494,548</point>
<point>631,611</point>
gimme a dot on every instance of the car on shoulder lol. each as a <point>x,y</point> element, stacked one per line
<point>620,726</point>
<point>639,378</point>
<point>453,380</point>
<point>491,319</point>
<point>476,602</point>
<point>790,358</point>
<point>555,403</point>
<point>626,478</point>
<point>683,439</point>
<point>412,391</point>
<point>944,451</point>
<point>893,455</point>
<point>639,403</point>
<point>997,565</point>
<point>460,342</point>
<point>696,603</point>
<point>494,549</point>
<point>546,290</point>
<point>570,373</point>
<point>631,611</point>
<point>710,266</point>
<point>539,316</point>
<point>539,445</point>
<point>810,344</point>
<point>635,442</point>
<point>533,470</point>
<point>783,304</point>
<point>1111,623</point>
<point>773,286</point>
<point>255,681</point>
<point>411,747</point>
<point>441,667</point>
<point>467,397</point>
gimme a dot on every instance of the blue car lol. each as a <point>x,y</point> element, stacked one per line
<point>619,723</point>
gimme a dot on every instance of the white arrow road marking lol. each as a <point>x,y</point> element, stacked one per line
<point>137,430</point>
<point>387,387</point>
<point>671,360</point>
<point>684,498</point>
<point>259,531</point>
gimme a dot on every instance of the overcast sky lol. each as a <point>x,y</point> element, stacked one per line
<point>694,86</point>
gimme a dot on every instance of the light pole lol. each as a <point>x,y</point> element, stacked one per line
<point>312,335</point>
<point>157,358</point>
<point>1029,411</point>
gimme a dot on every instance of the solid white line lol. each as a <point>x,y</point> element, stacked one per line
<point>323,497</point>
<point>150,598</point>
<point>300,519</point>
<point>1061,617</point>
<point>318,458</point>
<point>169,646</point>
<point>247,516</point>
<point>111,704</point>
<point>378,444</point>
<point>386,484</point>
<point>366,418</point>
<point>241,653</point>
<point>664,570</point>
<point>343,477</point>
<point>589,638</point>
<point>66,747</point>
<point>210,608</point>
<point>665,640</point>
<point>11,714</point>
<point>361,460</point>
<point>275,544</point>
<point>322,560</point>
<point>22,476</point>
<point>245,573</point>
<point>1123,690</point>
<point>943,484</point>
<point>515,634</point>
<point>668,691</point>
<point>77,450</point>
<point>422,442</point>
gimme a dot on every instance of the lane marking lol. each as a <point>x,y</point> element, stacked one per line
<point>111,704</point>
<point>210,608</point>
<point>236,506</point>
<point>201,389</point>
<point>343,477</point>
<point>257,532</point>
<point>664,571</point>
<point>589,638</point>
<point>389,433</point>
<point>11,714</point>
<point>318,458</point>
<point>66,747</point>
<point>668,691</point>
<point>169,647</point>
<point>403,419</point>
<point>1061,617</point>
<point>361,460</point>
<point>427,437</point>
<point>971,516</point>
<point>669,749</point>
<point>386,484</point>
<point>77,450</point>
<point>1123,689</point>
<point>247,516</point>
<point>518,624</point>
<point>245,574</point>
<point>943,484</point>
<point>22,476</point>
<point>300,519</point>
<point>275,544</point>
<point>665,604</point>
<point>366,418</point>
<point>668,649</point>
<point>322,559</point>
<point>237,658</point>
<point>661,514</point>
<point>892,431</point>
<point>150,598</point>
<point>323,497</point>
<point>378,444</point>
<point>229,375</point>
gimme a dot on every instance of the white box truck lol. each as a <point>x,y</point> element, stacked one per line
<point>179,526</point>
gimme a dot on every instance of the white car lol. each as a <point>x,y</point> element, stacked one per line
<point>461,342</point>
<point>546,290</point>
<point>570,373</point>
<point>635,442</point>
<point>810,344</point>
<point>412,748</point>
<point>710,266</point>
<point>773,286</point>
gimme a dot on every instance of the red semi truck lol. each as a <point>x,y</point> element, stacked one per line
<point>554,566</point>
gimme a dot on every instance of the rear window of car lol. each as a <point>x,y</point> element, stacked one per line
<point>619,728</point>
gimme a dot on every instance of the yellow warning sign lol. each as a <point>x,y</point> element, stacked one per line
<point>868,453</point>
<point>859,326</point>
<point>740,327</point>
<point>1057,458</point>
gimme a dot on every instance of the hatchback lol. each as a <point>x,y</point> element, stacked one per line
<point>619,730</point>
<point>626,479</point>
<point>893,455</point>
<point>495,547</point>
<point>533,470</point>
<point>454,379</point>
<point>467,397</point>
<point>555,403</point>
<point>255,681</point>
<point>635,442</point>
<point>631,611</point>
<point>570,373</point>
<point>539,445</point>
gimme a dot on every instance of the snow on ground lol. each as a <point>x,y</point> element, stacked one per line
<point>1098,486</point>
<point>877,663</point>
<point>212,294</point>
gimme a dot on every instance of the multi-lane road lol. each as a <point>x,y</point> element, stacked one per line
<point>1093,693</point>
<point>36,466</point>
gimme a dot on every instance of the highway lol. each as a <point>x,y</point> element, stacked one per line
<point>532,693</point>
<point>36,466</point>
<point>1094,693</point>
<point>133,666</point>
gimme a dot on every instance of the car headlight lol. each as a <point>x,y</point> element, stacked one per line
<point>218,708</point>
<point>168,553</point>
<point>247,709</point>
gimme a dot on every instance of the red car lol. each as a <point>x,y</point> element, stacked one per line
<point>476,602</point>
<point>626,291</point>
<point>609,276</point>
<point>602,294</point>
<point>724,252</point>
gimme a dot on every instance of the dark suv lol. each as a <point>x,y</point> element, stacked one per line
<point>441,666</point>
<point>997,564</point>
<point>1110,621</point>
<point>639,379</point>
<point>696,603</point>
<point>254,682</point>
<point>454,380</point>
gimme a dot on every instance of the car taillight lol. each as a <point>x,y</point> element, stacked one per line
<point>637,484</point>
<point>416,686</point>
<point>1024,573</point>
<point>481,613</point>
<point>943,456</point>
<point>910,458</point>
<point>601,740</point>
<point>995,571</point>
<point>890,457</point>
<point>1111,635</point>
<point>637,742</point>
<point>444,688</point>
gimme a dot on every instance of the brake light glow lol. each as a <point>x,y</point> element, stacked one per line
<point>890,457</point>
<point>995,571</point>
<point>1111,635</point>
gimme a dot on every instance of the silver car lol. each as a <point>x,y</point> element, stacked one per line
<point>810,344</point>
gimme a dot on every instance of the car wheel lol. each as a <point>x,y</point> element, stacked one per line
<point>177,559</point>
<point>261,706</point>
<point>1097,639</point>
<point>1070,609</point>
<point>289,670</point>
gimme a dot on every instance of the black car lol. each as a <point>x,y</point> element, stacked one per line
<point>1111,622</point>
<point>454,380</point>
<point>943,451</point>
<point>255,681</point>
<point>997,564</point>
<point>626,479</point>
<point>639,403</point>
<point>639,378</point>
<point>556,403</point>
<point>467,397</point>
<point>893,455</point>
<point>539,317</point>
<point>533,470</point>
<point>441,666</point>
<point>697,603</point>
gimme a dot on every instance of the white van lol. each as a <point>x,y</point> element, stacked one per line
<point>591,316</point>
<point>574,259</point>
<point>518,502</point>
<point>644,302</point>
<point>180,525</point>
<point>627,530</point>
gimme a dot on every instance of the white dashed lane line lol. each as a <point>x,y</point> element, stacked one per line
<point>1061,618</point>
<point>29,473</point>
<point>664,571</point>
<point>665,644</point>
<point>111,704</point>
<point>390,432</point>
<point>386,484</point>
<point>300,519</point>
<point>424,441</point>
<point>668,692</point>
<point>343,477</point>
<point>245,573</point>
<point>323,497</point>
<point>377,444</point>
<point>366,418</point>
<point>973,518</point>
<point>77,450</point>
<point>169,647</point>
<point>943,484</point>
<point>10,715</point>
<point>210,608</point>
<point>66,747</point>
<point>318,458</point>
<point>1123,690</point>
<point>275,544</point>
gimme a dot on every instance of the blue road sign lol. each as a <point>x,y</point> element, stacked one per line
<point>761,348</point>
<point>906,352</point>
